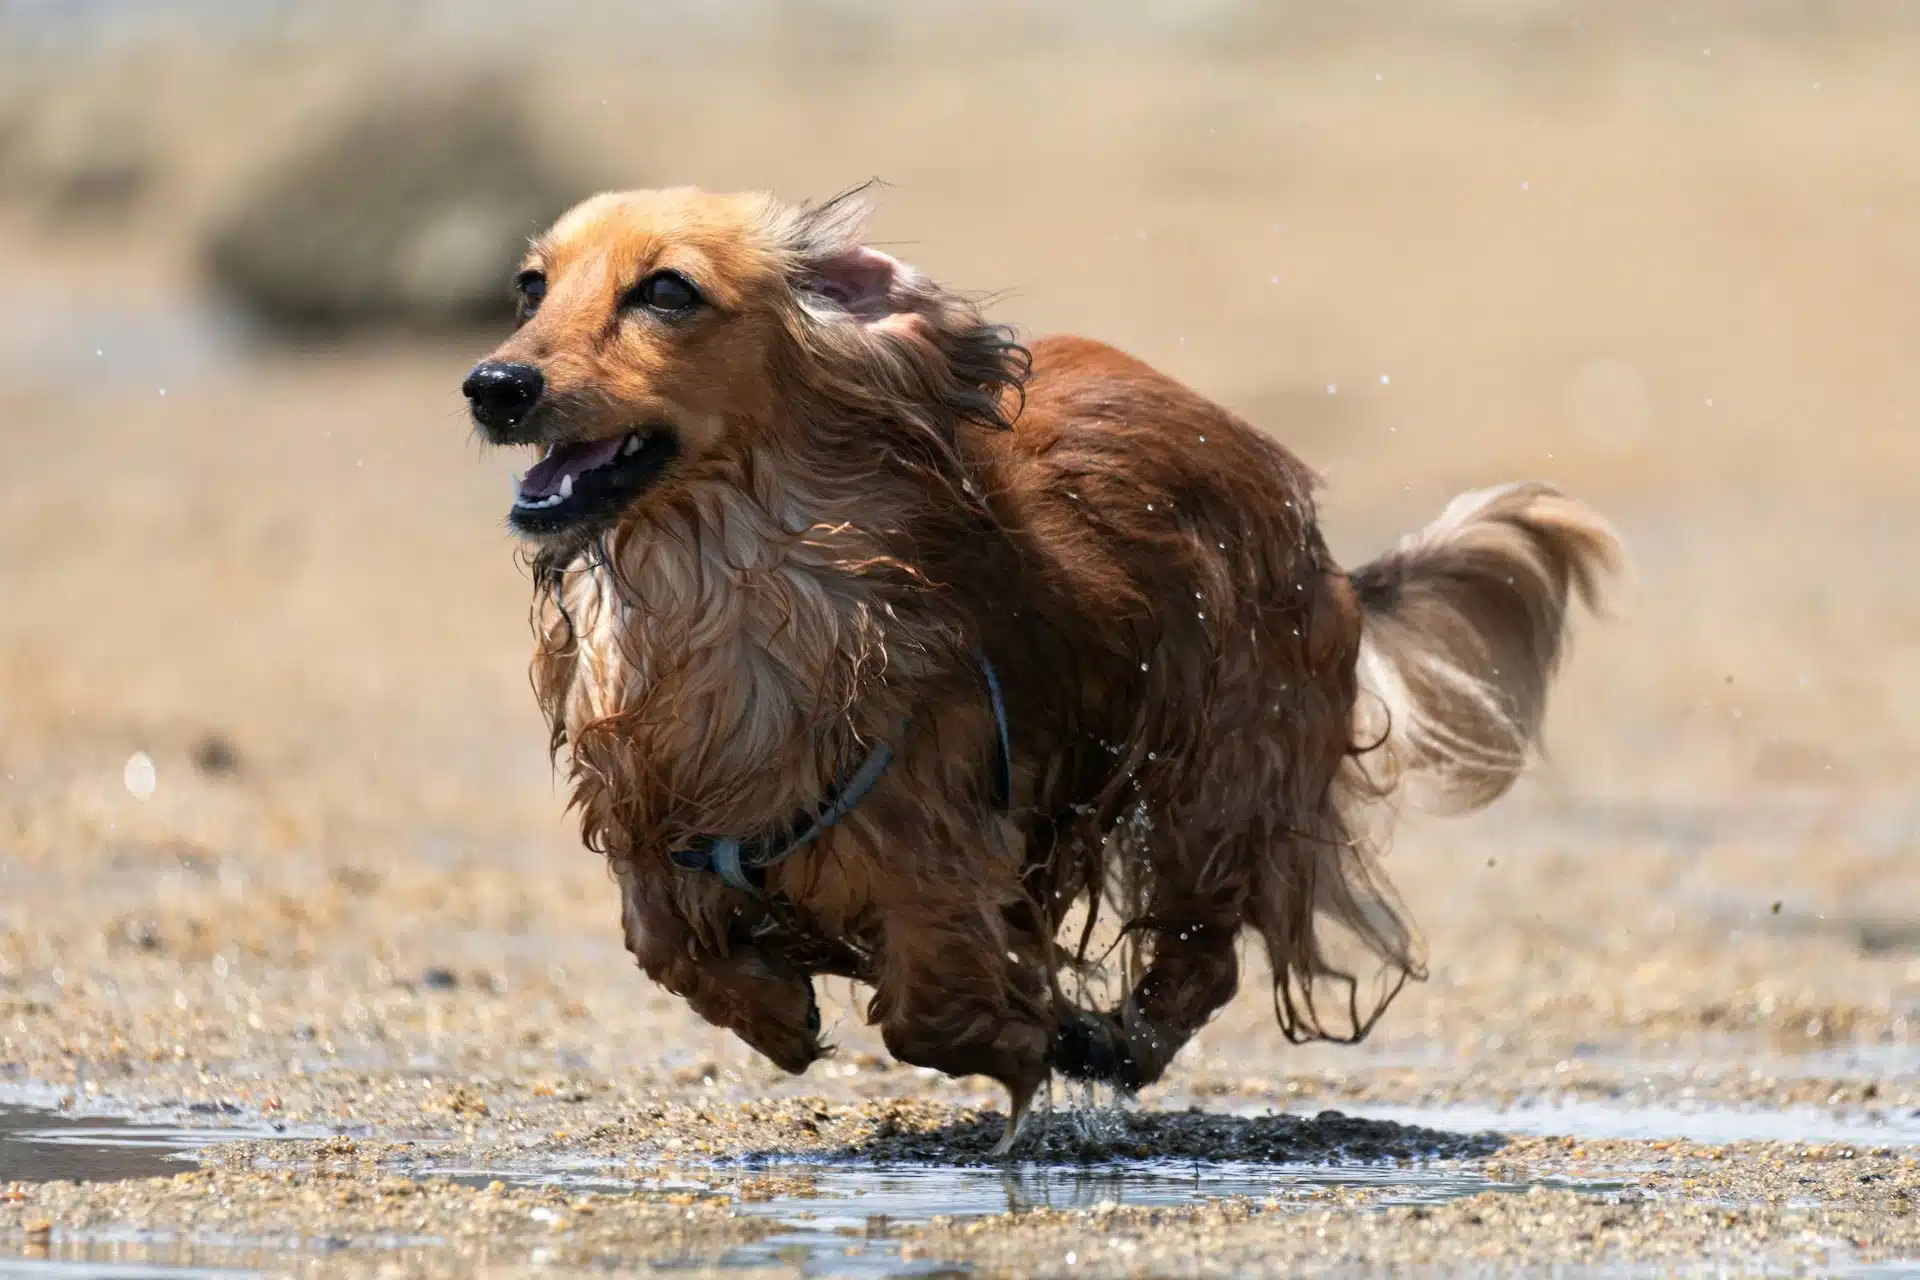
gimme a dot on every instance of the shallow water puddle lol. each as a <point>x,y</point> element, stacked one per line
<point>855,1195</point>
<point>839,1225</point>
<point>48,1146</point>
<point>101,1264</point>
<point>1585,1118</point>
<point>842,1217</point>
<point>834,1218</point>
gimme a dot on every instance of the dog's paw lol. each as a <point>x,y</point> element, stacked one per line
<point>1085,1046</point>
<point>787,1030</point>
<point>769,1006</point>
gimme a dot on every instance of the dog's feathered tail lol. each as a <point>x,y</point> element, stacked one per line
<point>1463,625</point>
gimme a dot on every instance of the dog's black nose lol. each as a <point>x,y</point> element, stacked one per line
<point>502,392</point>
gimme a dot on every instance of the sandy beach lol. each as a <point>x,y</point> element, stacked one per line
<point>1673,1017</point>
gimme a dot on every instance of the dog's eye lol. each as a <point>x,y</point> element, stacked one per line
<point>532,287</point>
<point>665,291</point>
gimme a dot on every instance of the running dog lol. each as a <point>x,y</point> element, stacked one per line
<point>873,642</point>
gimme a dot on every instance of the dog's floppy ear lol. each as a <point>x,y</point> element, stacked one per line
<point>883,342</point>
<point>860,279</point>
<point>840,276</point>
<point>874,288</point>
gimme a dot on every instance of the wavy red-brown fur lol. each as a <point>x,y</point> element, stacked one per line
<point>874,484</point>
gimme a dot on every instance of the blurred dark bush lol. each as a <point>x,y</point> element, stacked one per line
<point>412,213</point>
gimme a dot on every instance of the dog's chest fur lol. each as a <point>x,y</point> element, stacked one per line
<point>722,657</point>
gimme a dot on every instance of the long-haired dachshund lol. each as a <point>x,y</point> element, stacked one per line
<point>874,642</point>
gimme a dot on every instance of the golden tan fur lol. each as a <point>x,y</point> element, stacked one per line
<point>872,484</point>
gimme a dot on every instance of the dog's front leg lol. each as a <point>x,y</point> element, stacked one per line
<point>766,1003</point>
<point>950,995</point>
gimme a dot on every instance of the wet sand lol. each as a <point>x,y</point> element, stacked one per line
<point>1678,971</point>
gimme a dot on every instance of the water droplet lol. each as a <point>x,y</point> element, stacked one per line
<point>139,775</point>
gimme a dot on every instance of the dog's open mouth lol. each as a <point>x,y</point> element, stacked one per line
<point>576,485</point>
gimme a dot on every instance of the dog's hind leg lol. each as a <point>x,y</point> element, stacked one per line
<point>1195,970</point>
<point>1192,922</point>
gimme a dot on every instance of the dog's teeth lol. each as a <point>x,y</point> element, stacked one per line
<point>632,445</point>
<point>566,485</point>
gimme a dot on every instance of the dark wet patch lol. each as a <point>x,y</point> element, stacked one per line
<point>1097,1136</point>
<point>909,1131</point>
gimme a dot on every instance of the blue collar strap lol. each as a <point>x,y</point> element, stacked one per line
<point>742,864</point>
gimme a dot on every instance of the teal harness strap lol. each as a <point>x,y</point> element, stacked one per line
<point>1003,752</point>
<point>742,864</point>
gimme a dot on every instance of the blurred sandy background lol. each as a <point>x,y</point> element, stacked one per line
<point>1667,255</point>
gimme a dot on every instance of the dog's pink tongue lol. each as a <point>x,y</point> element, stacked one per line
<point>543,477</point>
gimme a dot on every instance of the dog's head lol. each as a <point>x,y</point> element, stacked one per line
<point>663,332</point>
